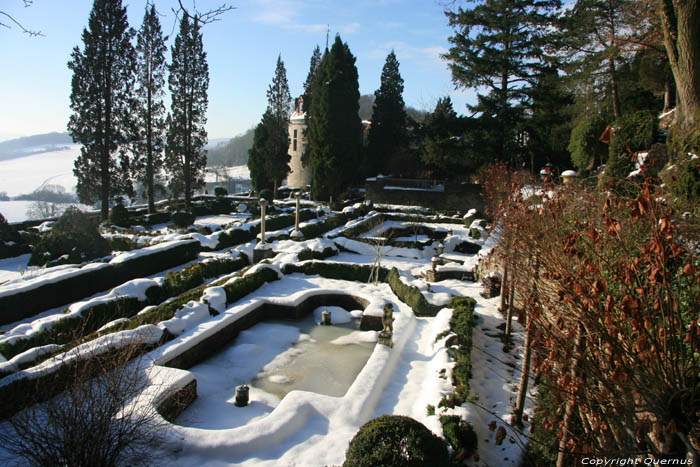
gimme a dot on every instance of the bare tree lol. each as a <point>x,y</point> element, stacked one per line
<point>101,419</point>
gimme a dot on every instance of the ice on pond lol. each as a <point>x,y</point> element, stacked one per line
<point>274,358</point>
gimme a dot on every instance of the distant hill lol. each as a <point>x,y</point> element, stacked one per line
<point>232,153</point>
<point>36,144</point>
<point>367,106</point>
<point>235,151</point>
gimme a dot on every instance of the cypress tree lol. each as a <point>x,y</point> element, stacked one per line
<point>268,159</point>
<point>335,129</point>
<point>309,83</point>
<point>100,100</point>
<point>188,82</point>
<point>150,74</point>
<point>388,135</point>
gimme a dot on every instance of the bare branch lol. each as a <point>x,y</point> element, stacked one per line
<point>18,24</point>
<point>205,17</point>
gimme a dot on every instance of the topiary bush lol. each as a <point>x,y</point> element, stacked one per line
<point>183,219</point>
<point>395,441</point>
<point>220,191</point>
<point>460,434</point>
<point>74,238</point>
<point>585,144</point>
<point>119,215</point>
<point>266,194</point>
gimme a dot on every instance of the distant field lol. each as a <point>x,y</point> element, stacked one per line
<point>25,174</point>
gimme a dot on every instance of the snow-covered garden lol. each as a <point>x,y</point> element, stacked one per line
<point>236,323</point>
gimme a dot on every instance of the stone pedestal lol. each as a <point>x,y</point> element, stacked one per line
<point>384,338</point>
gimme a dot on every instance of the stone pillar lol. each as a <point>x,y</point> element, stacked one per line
<point>263,205</point>
<point>297,195</point>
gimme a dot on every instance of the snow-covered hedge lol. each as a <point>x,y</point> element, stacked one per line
<point>83,318</point>
<point>22,300</point>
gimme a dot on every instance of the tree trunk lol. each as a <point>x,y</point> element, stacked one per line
<point>571,402</point>
<point>668,90</point>
<point>613,84</point>
<point>504,289</point>
<point>149,154</point>
<point>682,41</point>
<point>524,376</point>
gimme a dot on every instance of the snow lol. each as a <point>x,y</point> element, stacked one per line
<point>23,175</point>
<point>12,268</point>
<point>237,172</point>
<point>51,276</point>
<point>129,255</point>
<point>309,428</point>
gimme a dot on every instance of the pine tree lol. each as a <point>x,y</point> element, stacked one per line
<point>443,149</point>
<point>548,124</point>
<point>268,159</point>
<point>150,74</point>
<point>100,99</point>
<point>497,45</point>
<point>593,44</point>
<point>309,83</point>
<point>335,129</point>
<point>388,135</point>
<point>188,82</point>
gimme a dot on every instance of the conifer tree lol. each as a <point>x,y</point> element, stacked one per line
<point>594,41</point>
<point>309,83</point>
<point>150,75</point>
<point>497,45</point>
<point>100,100</point>
<point>268,159</point>
<point>335,129</point>
<point>388,135</point>
<point>188,82</point>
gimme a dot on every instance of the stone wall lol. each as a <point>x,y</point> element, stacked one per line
<point>425,193</point>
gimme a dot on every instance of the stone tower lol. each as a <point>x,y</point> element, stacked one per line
<point>299,176</point>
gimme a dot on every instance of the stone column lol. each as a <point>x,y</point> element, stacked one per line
<point>297,195</point>
<point>263,205</point>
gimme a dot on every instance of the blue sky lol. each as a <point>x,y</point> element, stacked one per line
<point>242,51</point>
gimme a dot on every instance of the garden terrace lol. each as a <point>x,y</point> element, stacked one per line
<point>182,316</point>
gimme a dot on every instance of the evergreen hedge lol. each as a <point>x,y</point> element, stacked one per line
<point>460,435</point>
<point>411,295</point>
<point>461,323</point>
<point>176,284</point>
<point>585,144</point>
<point>23,304</point>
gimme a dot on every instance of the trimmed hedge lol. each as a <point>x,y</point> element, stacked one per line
<point>176,283</point>
<point>25,304</point>
<point>332,222</point>
<point>395,441</point>
<point>327,252</point>
<point>411,295</point>
<point>340,271</point>
<point>460,435</point>
<point>461,323</point>
<point>237,236</point>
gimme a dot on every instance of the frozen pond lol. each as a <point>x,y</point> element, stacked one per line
<point>274,358</point>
